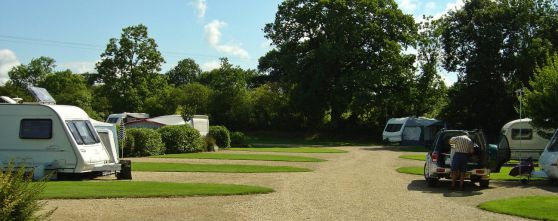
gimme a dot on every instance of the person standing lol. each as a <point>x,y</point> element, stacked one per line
<point>462,146</point>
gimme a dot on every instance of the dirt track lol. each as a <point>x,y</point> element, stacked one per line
<point>359,185</point>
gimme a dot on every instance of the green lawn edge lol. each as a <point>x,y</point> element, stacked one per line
<point>532,207</point>
<point>257,157</point>
<point>215,168</point>
<point>289,149</point>
<point>420,157</point>
<point>141,189</point>
<point>502,175</point>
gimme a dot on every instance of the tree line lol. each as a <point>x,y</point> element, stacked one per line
<point>341,66</point>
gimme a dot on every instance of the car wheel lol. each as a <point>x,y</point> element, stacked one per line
<point>431,182</point>
<point>484,183</point>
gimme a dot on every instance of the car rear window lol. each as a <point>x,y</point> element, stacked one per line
<point>393,127</point>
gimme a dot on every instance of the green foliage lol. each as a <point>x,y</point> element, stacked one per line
<point>181,139</point>
<point>142,142</point>
<point>129,70</point>
<point>238,139</point>
<point>32,74</point>
<point>19,196</point>
<point>193,99</point>
<point>259,157</point>
<point>532,207</point>
<point>419,157</point>
<point>185,72</point>
<point>541,101</point>
<point>291,149</point>
<point>342,61</point>
<point>162,101</point>
<point>221,135</point>
<point>494,46</point>
<point>270,107</point>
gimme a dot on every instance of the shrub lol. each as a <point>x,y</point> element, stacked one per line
<point>221,135</point>
<point>143,142</point>
<point>181,139</point>
<point>238,139</point>
<point>19,196</point>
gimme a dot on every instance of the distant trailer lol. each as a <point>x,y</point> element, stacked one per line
<point>55,139</point>
<point>410,131</point>
<point>198,122</point>
<point>523,139</point>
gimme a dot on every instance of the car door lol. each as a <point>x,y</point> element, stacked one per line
<point>498,154</point>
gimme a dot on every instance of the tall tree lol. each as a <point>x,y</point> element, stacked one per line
<point>186,71</point>
<point>494,45</point>
<point>339,57</point>
<point>541,101</point>
<point>32,74</point>
<point>129,69</point>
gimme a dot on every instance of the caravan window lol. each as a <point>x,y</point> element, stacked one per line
<point>522,134</point>
<point>83,132</point>
<point>393,127</point>
<point>112,120</point>
<point>35,129</point>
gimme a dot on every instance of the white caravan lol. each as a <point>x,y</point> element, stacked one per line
<point>200,123</point>
<point>127,117</point>
<point>549,158</point>
<point>53,138</point>
<point>523,139</point>
<point>411,130</point>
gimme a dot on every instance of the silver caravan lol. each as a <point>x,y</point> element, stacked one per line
<point>549,158</point>
<point>523,139</point>
<point>53,138</point>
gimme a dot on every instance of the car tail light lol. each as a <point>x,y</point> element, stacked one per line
<point>434,156</point>
<point>440,170</point>
<point>479,171</point>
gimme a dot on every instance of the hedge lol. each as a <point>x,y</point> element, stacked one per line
<point>181,139</point>
<point>142,142</point>
<point>221,135</point>
<point>238,139</point>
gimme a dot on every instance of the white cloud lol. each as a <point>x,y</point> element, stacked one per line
<point>213,34</point>
<point>201,6</point>
<point>79,66</point>
<point>8,60</point>
<point>208,66</point>
<point>452,6</point>
<point>408,6</point>
<point>430,6</point>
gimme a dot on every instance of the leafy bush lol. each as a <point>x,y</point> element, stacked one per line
<point>238,139</point>
<point>181,139</point>
<point>143,142</point>
<point>19,196</point>
<point>221,135</point>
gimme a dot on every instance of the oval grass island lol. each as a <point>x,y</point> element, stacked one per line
<point>137,189</point>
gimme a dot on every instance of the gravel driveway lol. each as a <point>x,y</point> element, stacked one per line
<point>359,185</point>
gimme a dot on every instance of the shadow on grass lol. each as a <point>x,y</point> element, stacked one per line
<point>397,148</point>
<point>444,187</point>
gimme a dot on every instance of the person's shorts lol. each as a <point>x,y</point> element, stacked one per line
<point>459,162</point>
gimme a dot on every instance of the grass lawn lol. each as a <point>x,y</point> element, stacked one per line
<point>273,138</point>
<point>502,175</point>
<point>221,156</point>
<point>133,189</point>
<point>218,168</point>
<point>533,207</point>
<point>290,149</point>
<point>420,157</point>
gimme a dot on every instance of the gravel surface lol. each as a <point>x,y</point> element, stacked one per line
<point>359,185</point>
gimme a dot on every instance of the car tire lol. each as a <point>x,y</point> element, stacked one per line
<point>484,183</point>
<point>431,182</point>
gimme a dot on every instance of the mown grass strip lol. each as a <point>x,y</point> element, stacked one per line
<point>420,157</point>
<point>261,157</point>
<point>216,168</point>
<point>532,207</point>
<point>502,175</point>
<point>133,189</point>
<point>290,149</point>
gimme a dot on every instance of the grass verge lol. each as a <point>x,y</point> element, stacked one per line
<point>291,149</point>
<point>133,189</point>
<point>502,175</point>
<point>262,157</point>
<point>217,168</point>
<point>532,207</point>
<point>420,157</point>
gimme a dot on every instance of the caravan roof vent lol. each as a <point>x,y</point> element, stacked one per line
<point>41,95</point>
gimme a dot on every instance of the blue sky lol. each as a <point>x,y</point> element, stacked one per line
<point>75,33</point>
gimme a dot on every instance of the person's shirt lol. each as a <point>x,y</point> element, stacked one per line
<point>462,144</point>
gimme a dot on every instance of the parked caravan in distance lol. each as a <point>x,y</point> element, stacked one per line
<point>198,122</point>
<point>53,139</point>
<point>126,117</point>
<point>411,130</point>
<point>523,139</point>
